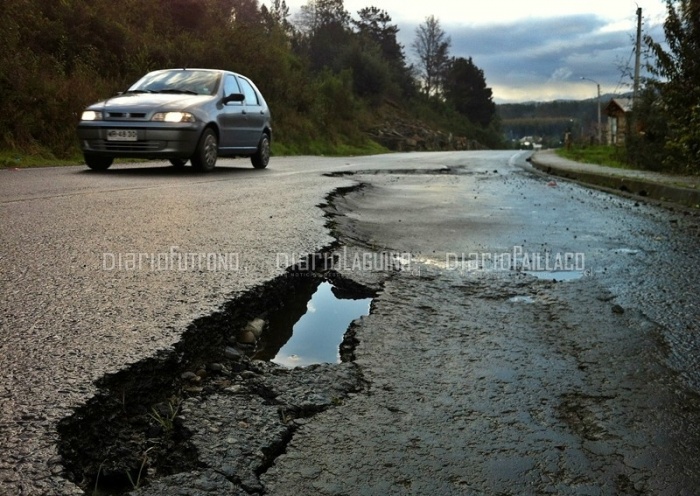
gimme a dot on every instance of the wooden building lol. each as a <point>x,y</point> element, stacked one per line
<point>618,110</point>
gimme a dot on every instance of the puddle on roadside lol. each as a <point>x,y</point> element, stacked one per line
<point>310,328</point>
<point>521,299</point>
<point>625,251</point>
<point>556,275</point>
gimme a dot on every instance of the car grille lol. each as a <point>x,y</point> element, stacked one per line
<point>127,146</point>
<point>125,115</point>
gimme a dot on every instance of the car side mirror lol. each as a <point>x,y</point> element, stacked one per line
<point>234,97</point>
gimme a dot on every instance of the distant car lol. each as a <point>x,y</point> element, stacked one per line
<point>179,115</point>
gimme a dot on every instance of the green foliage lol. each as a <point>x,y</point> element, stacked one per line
<point>678,71</point>
<point>610,156</point>
<point>465,89</point>
<point>434,109</point>
<point>166,421</point>
<point>370,74</point>
<point>647,149</point>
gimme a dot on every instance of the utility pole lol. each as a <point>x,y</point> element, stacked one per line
<point>637,54</point>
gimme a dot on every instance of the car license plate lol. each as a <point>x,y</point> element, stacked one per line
<point>121,135</point>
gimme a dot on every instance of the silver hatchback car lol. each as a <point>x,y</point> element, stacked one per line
<point>179,115</point>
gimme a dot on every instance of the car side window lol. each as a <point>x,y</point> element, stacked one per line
<point>251,96</point>
<point>231,86</point>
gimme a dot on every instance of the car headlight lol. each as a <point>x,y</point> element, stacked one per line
<point>91,115</point>
<point>173,117</point>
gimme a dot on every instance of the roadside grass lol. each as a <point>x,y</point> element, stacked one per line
<point>321,148</point>
<point>11,159</point>
<point>609,156</point>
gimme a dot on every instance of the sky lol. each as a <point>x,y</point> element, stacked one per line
<point>535,50</point>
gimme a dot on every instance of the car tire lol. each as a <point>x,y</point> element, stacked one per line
<point>96,162</point>
<point>204,158</point>
<point>178,163</point>
<point>261,157</point>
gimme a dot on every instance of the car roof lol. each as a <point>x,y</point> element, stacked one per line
<point>221,71</point>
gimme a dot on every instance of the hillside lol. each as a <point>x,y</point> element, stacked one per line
<point>551,120</point>
<point>326,82</point>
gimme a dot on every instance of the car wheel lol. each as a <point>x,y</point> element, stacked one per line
<point>178,163</point>
<point>204,158</point>
<point>96,162</point>
<point>261,157</point>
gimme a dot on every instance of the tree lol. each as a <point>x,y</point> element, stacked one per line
<point>318,13</point>
<point>465,89</point>
<point>432,46</point>
<point>243,12</point>
<point>277,16</point>
<point>325,26</point>
<point>377,44</point>
<point>678,70</point>
<point>374,28</point>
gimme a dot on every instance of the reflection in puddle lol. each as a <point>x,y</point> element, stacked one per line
<point>296,339</point>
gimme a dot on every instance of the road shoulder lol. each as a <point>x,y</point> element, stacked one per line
<point>682,190</point>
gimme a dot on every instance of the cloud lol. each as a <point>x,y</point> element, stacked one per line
<point>543,58</point>
<point>561,74</point>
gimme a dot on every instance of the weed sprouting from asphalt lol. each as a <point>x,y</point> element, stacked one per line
<point>167,422</point>
<point>137,484</point>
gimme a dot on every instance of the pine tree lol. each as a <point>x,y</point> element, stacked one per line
<point>465,89</point>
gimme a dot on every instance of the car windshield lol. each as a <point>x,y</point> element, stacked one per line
<point>178,81</point>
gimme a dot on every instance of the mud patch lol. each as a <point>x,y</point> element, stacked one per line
<point>583,414</point>
<point>141,426</point>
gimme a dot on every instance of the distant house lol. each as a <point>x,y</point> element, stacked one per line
<point>617,111</point>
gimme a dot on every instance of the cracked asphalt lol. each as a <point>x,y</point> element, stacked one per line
<point>465,379</point>
<point>490,381</point>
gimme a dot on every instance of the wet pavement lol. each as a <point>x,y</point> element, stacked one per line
<point>471,375</point>
<point>483,379</point>
<point>470,392</point>
<point>80,301</point>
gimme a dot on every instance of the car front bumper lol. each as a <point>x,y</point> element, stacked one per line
<point>153,139</point>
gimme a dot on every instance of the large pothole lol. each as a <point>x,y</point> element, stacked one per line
<point>207,406</point>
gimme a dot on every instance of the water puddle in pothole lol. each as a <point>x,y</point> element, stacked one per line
<point>310,328</point>
<point>556,275</point>
<point>131,432</point>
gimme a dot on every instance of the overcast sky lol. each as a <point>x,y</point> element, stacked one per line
<point>531,50</point>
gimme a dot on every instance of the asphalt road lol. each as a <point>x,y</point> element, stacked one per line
<point>102,270</point>
<point>92,280</point>
<point>71,312</point>
<point>491,366</point>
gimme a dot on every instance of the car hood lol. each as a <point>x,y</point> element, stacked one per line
<point>145,102</point>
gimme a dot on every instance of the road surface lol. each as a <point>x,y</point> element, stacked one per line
<point>475,373</point>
